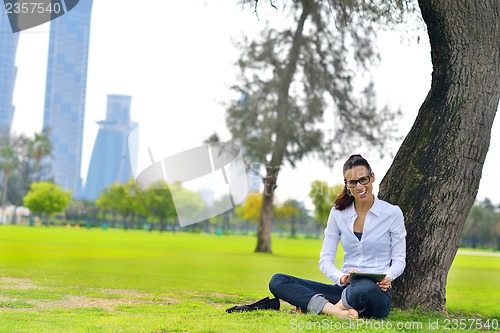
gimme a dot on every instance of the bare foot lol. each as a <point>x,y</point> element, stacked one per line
<point>341,305</point>
<point>336,311</point>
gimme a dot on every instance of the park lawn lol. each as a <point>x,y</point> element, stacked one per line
<point>76,280</point>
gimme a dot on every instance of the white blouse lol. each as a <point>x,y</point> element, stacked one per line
<point>382,248</point>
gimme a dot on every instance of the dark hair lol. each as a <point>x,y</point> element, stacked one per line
<point>344,200</point>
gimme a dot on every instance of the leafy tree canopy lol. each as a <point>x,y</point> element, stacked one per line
<point>250,210</point>
<point>46,198</point>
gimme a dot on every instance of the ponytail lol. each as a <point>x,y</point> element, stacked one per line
<point>344,200</point>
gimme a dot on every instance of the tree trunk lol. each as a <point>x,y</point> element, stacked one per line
<point>293,227</point>
<point>161,224</point>
<point>435,175</point>
<point>4,198</point>
<point>474,241</point>
<point>225,221</point>
<point>266,213</point>
<point>279,149</point>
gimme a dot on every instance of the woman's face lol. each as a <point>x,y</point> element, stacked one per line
<point>359,191</point>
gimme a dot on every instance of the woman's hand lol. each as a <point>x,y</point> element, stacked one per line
<point>385,284</point>
<point>344,278</point>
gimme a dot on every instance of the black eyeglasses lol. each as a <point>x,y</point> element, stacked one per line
<point>352,183</point>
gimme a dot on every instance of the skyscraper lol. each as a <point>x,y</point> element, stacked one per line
<point>65,93</point>
<point>8,71</point>
<point>110,161</point>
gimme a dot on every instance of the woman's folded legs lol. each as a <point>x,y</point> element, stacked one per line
<point>309,296</point>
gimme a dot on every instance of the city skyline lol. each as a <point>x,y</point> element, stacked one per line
<point>65,94</point>
<point>180,76</point>
<point>8,73</point>
<point>110,161</point>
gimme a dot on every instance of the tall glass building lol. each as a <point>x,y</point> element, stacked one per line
<point>110,161</point>
<point>65,93</point>
<point>8,71</point>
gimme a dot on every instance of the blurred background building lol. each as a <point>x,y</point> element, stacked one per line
<point>65,94</point>
<point>8,71</point>
<point>110,161</point>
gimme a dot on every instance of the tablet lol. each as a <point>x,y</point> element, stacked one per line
<point>371,276</point>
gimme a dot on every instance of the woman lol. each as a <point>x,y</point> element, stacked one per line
<point>372,233</point>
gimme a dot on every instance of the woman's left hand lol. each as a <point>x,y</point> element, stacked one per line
<point>385,284</point>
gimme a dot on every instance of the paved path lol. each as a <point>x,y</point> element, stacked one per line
<point>478,253</point>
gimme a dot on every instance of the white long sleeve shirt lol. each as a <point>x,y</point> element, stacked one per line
<point>382,248</point>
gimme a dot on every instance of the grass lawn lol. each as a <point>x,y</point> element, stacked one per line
<point>75,280</point>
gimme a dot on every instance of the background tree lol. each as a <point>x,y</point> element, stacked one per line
<point>323,198</point>
<point>435,175</point>
<point>288,213</point>
<point>27,169</point>
<point>82,210</point>
<point>91,210</point>
<point>320,197</point>
<point>46,198</point>
<point>158,204</point>
<point>8,163</point>
<point>250,210</point>
<point>39,147</point>
<point>20,178</point>
<point>290,76</point>
<point>225,217</point>
<point>110,200</point>
<point>478,228</point>
<point>187,203</point>
<point>74,211</point>
<point>481,226</point>
<point>487,204</point>
<point>124,202</point>
<point>496,231</point>
<point>138,208</point>
<point>127,199</point>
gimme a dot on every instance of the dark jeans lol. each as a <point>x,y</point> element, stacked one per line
<point>364,295</point>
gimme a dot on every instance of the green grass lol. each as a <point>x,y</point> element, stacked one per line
<point>76,280</point>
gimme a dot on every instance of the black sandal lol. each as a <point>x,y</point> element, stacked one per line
<point>263,304</point>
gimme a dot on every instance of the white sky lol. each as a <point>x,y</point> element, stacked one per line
<point>176,59</point>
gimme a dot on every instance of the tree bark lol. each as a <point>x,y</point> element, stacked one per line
<point>282,137</point>
<point>435,175</point>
